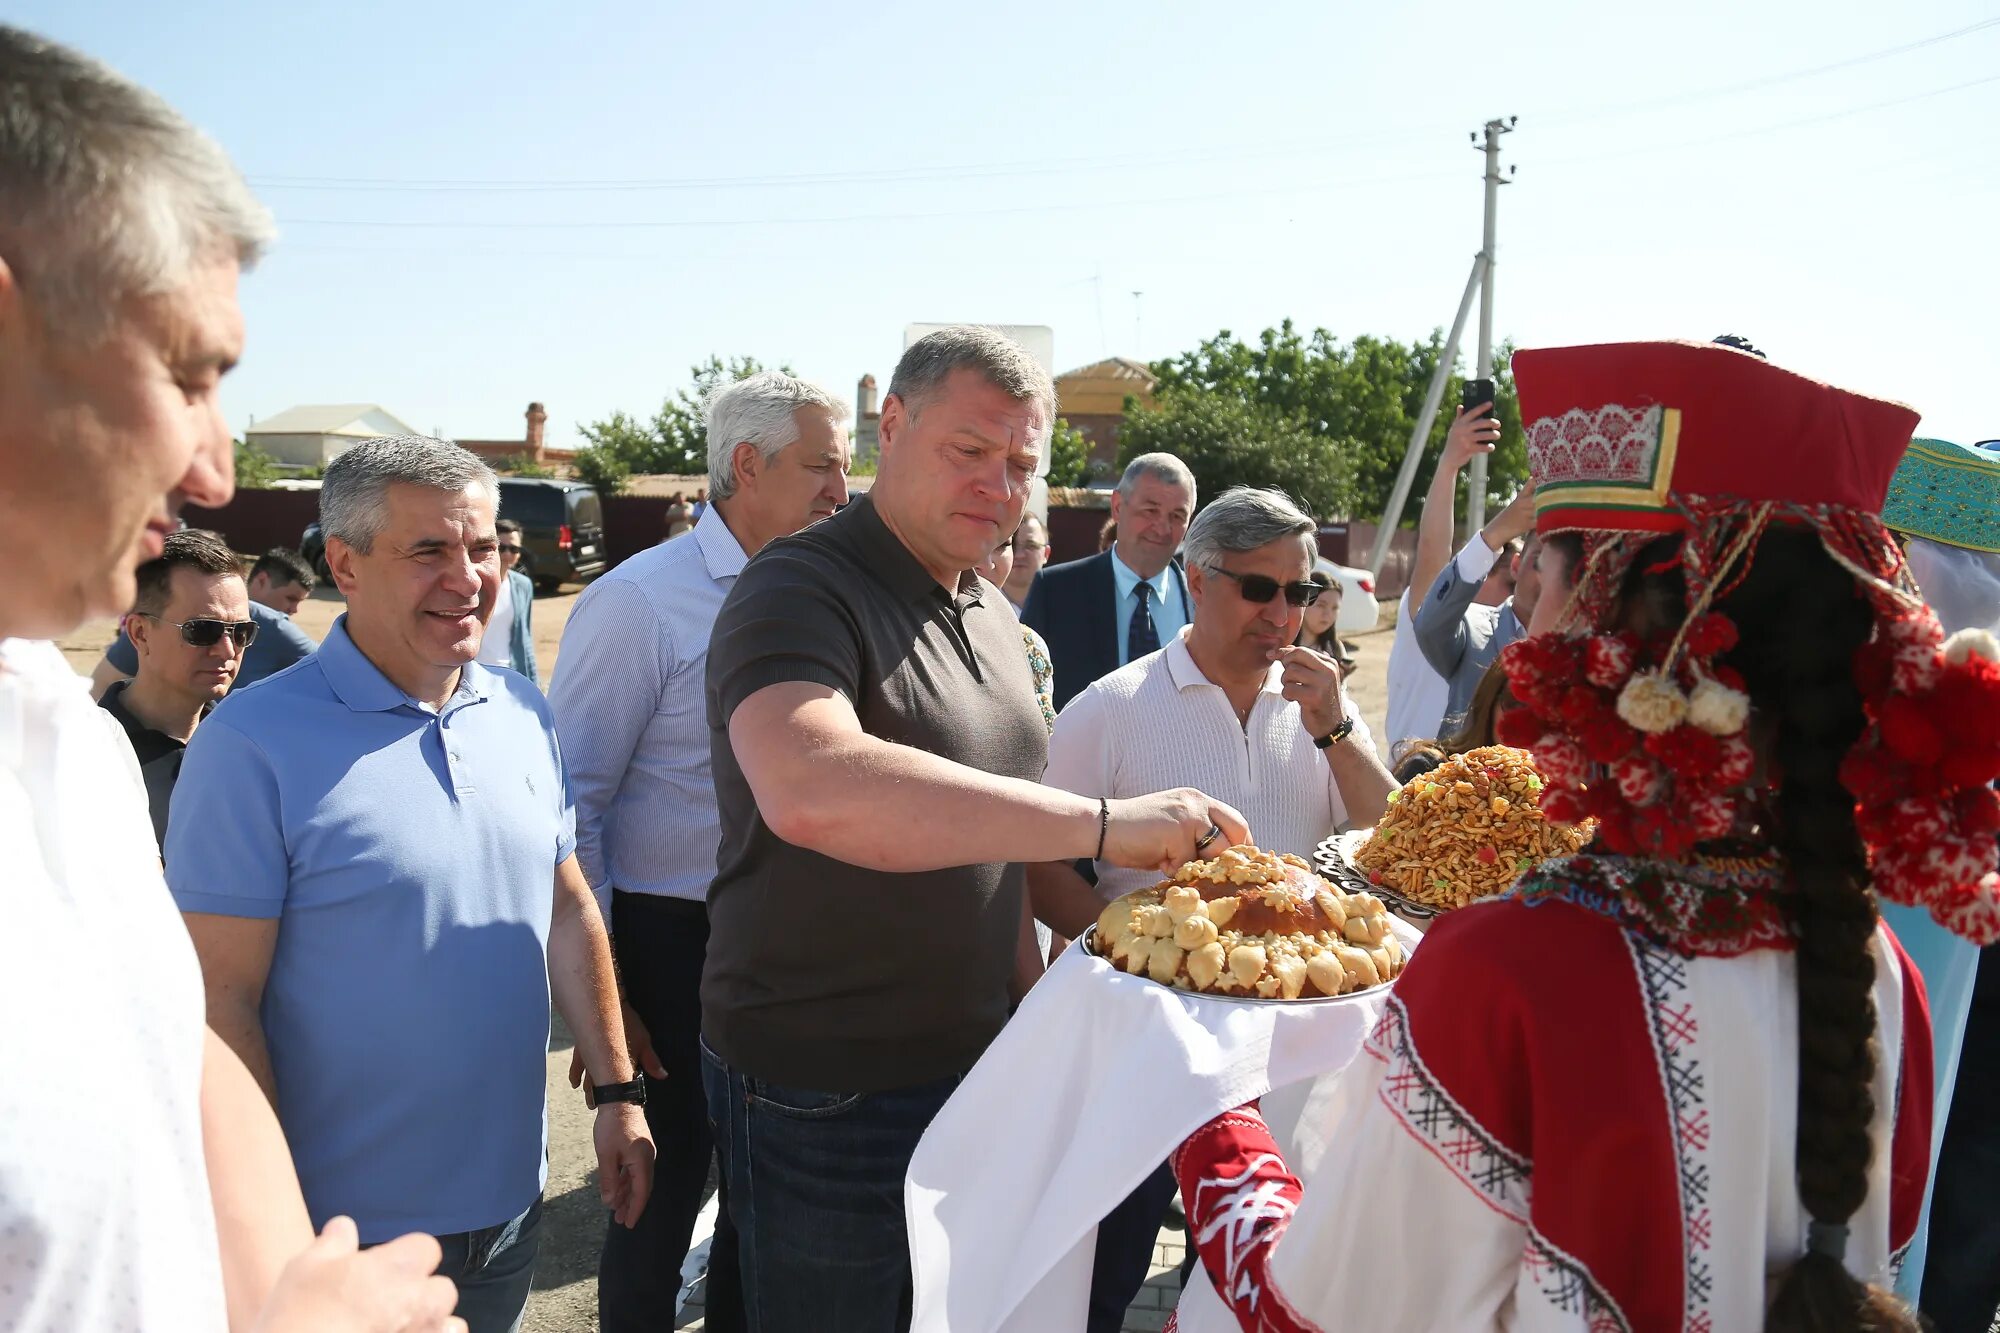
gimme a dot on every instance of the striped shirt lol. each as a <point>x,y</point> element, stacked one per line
<point>1159,723</point>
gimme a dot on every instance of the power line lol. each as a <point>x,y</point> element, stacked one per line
<point>1773,80</point>
<point>1072,206</point>
<point>1208,196</point>
<point>1049,166</point>
<point>1753,131</point>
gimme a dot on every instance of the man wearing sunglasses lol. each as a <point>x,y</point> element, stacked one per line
<point>1232,706</point>
<point>510,630</point>
<point>280,582</point>
<point>190,627</point>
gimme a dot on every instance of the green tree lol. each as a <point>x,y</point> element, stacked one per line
<point>521,465</point>
<point>676,439</point>
<point>599,466</point>
<point>1364,396</point>
<point>1069,455</point>
<point>255,469</point>
<point>1227,441</point>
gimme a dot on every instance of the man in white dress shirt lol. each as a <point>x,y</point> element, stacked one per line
<point>630,709</point>
<point>169,1203</point>
<point>1231,707</point>
<point>1418,695</point>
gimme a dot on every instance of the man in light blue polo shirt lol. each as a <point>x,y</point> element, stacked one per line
<point>380,881</point>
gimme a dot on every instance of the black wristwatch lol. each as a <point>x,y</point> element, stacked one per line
<point>633,1092</point>
<point>1337,735</point>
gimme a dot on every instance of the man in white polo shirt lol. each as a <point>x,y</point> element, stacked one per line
<point>1231,707</point>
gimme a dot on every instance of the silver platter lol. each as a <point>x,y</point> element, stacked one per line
<point>1334,859</point>
<point>1088,943</point>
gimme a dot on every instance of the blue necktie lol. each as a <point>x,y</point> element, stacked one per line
<point>1140,637</point>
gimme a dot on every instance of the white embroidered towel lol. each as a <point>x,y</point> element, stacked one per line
<point>1096,1079</point>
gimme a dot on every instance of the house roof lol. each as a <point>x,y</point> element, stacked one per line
<point>326,419</point>
<point>1112,368</point>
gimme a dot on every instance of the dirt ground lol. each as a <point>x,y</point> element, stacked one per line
<point>565,1294</point>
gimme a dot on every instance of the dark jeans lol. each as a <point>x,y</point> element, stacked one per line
<point>661,944</point>
<point>493,1268</point>
<point>1125,1240</point>
<point>1962,1272</point>
<point>816,1190</point>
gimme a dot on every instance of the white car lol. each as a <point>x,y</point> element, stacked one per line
<point>1359,611</point>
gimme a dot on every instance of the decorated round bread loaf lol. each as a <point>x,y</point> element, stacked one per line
<point>1252,923</point>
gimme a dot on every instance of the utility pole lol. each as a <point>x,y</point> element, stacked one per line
<point>1475,499</point>
<point>1138,329</point>
<point>1481,281</point>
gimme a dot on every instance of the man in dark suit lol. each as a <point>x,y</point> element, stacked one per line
<point>1108,609</point>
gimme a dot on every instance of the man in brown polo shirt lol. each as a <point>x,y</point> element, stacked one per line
<point>877,756</point>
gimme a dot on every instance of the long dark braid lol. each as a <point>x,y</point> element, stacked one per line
<point>1801,620</point>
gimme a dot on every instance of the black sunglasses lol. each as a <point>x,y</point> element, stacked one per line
<point>510,550</point>
<point>1261,588</point>
<point>207,633</point>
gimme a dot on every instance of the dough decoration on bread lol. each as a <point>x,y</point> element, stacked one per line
<point>1252,923</point>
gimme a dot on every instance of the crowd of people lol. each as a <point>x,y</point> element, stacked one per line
<point>824,782</point>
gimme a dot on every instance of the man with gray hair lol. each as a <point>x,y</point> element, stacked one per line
<point>374,852</point>
<point>1115,607</point>
<point>122,233</point>
<point>878,750</point>
<point>634,724</point>
<point>1232,707</point>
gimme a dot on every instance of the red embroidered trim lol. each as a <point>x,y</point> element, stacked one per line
<point>1240,1198</point>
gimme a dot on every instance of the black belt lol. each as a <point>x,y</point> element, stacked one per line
<point>661,902</point>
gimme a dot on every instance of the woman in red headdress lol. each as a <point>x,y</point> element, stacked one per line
<point>1681,1080</point>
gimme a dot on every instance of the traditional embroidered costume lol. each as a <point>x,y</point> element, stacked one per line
<point>1581,1111</point>
<point>1945,498</point>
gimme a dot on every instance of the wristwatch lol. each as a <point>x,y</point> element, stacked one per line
<point>633,1092</point>
<point>1337,735</point>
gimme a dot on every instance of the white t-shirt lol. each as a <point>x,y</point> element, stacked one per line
<point>1158,723</point>
<point>1418,695</point>
<point>105,1218</point>
<point>497,648</point>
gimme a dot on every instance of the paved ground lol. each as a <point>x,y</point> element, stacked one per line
<point>565,1295</point>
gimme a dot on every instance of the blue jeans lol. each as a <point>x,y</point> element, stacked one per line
<point>493,1268</point>
<point>816,1192</point>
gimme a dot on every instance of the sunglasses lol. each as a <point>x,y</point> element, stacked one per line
<point>510,550</point>
<point>207,633</point>
<point>1261,588</point>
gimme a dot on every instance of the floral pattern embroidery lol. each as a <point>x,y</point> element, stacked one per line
<point>1044,672</point>
<point>1715,907</point>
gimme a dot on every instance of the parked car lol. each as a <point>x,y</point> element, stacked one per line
<point>1359,611</point>
<point>562,529</point>
<point>562,532</point>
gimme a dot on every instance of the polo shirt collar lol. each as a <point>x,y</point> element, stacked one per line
<point>1127,578</point>
<point>1181,668</point>
<point>364,689</point>
<point>113,703</point>
<point>721,553</point>
<point>895,566</point>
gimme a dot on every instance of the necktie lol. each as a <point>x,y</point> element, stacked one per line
<point>1140,636</point>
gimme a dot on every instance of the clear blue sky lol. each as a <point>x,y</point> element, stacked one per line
<point>814,176</point>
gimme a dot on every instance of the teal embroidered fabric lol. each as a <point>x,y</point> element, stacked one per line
<point>1947,492</point>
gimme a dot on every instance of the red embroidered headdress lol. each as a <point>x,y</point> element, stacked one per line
<point>1629,442</point>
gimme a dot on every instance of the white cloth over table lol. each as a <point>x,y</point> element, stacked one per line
<point>1091,1085</point>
